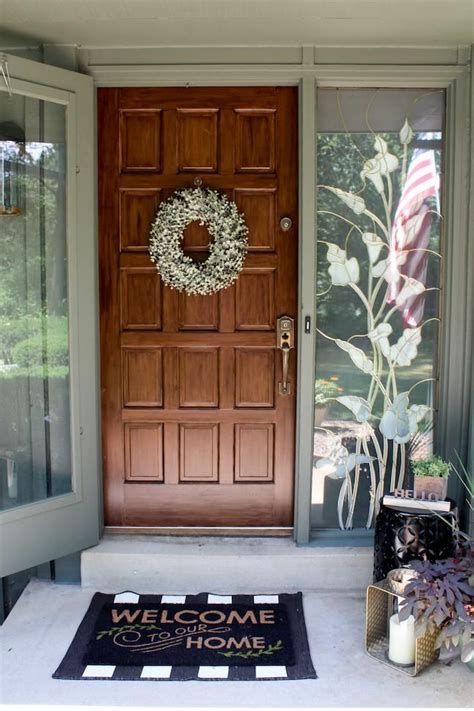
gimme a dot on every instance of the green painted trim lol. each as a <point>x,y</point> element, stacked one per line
<point>305,75</point>
<point>458,301</point>
<point>470,458</point>
<point>120,66</point>
<point>272,74</point>
<point>68,569</point>
<point>45,571</point>
<point>307,307</point>
<point>99,59</point>
<point>2,603</point>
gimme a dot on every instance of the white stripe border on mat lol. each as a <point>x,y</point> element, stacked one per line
<point>219,599</point>
<point>98,670</point>
<point>265,598</point>
<point>177,599</point>
<point>269,672</point>
<point>156,672</point>
<point>213,672</point>
<point>127,597</point>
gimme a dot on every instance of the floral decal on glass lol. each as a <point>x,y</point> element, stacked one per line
<point>378,227</point>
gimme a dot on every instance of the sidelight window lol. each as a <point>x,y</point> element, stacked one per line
<point>379,249</point>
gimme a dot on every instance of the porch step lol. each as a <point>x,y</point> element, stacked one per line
<point>175,565</point>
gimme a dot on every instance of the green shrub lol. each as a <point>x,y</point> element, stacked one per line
<point>35,371</point>
<point>54,344</point>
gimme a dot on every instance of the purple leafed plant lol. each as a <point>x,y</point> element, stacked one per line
<point>441,598</point>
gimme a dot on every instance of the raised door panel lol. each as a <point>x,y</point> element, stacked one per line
<point>255,141</point>
<point>198,452</point>
<point>140,299</point>
<point>198,312</point>
<point>142,377</point>
<point>140,141</point>
<point>254,377</point>
<point>196,238</point>
<point>137,212</point>
<point>197,140</point>
<point>255,299</point>
<point>199,377</point>
<point>258,207</point>
<point>143,452</point>
<point>254,452</point>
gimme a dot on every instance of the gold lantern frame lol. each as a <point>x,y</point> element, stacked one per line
<point>379,608</point>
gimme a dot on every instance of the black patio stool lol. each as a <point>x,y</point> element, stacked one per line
<point>403,536</point>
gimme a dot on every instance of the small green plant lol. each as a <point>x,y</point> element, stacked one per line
<point>326,389</point>
<point>431,466</point>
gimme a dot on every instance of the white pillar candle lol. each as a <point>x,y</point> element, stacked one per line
<point>401,643</point>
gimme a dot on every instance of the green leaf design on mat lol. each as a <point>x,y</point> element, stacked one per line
<point>271,649</point>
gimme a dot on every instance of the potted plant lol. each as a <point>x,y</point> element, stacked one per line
<point>440,599</point>
<point>431,477</point>
<point>324,390</point>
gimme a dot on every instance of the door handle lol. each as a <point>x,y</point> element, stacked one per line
<point>285,342</point>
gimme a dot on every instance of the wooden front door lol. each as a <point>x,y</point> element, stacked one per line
<point>195,431</point>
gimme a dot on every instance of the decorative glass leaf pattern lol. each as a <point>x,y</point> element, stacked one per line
<point>389,268</point>
<point>406,348</point>
<point>381,165</point>
<point>343,271</point>
<point>378,229</point>
<point>374,245</point>
<point>355,202</point>
<point>357,355</point>
<point>380,336</point>
<point>412,287</point>
<point>398,422</point>
<point>357,405</point>
<point>406,133</point>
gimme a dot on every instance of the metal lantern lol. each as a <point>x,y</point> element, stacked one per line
<point>12,149</point>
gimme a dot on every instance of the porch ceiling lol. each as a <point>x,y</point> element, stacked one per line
<point>140,23</point>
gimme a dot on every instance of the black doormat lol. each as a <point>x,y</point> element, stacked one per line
<point>190,637</point>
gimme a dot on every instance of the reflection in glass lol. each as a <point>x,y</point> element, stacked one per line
<point>379,167</point>
<point>35,451</point>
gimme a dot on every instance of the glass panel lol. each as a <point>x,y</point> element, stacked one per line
<point>379,167</point>
<point>35,449</point>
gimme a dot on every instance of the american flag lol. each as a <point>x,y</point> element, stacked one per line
<point>411,231</point>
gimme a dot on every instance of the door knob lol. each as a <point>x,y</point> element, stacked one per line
<point>286,224</point>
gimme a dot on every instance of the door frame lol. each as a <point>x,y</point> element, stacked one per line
<point>309,67</point>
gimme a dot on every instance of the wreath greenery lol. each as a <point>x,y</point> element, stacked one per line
<point>227,249</point>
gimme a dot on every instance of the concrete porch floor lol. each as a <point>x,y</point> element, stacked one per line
<point>38,631</point>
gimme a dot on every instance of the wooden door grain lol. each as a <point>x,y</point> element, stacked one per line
<point>195,432</point>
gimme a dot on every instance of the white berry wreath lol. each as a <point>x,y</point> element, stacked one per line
<point>227,249</point>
